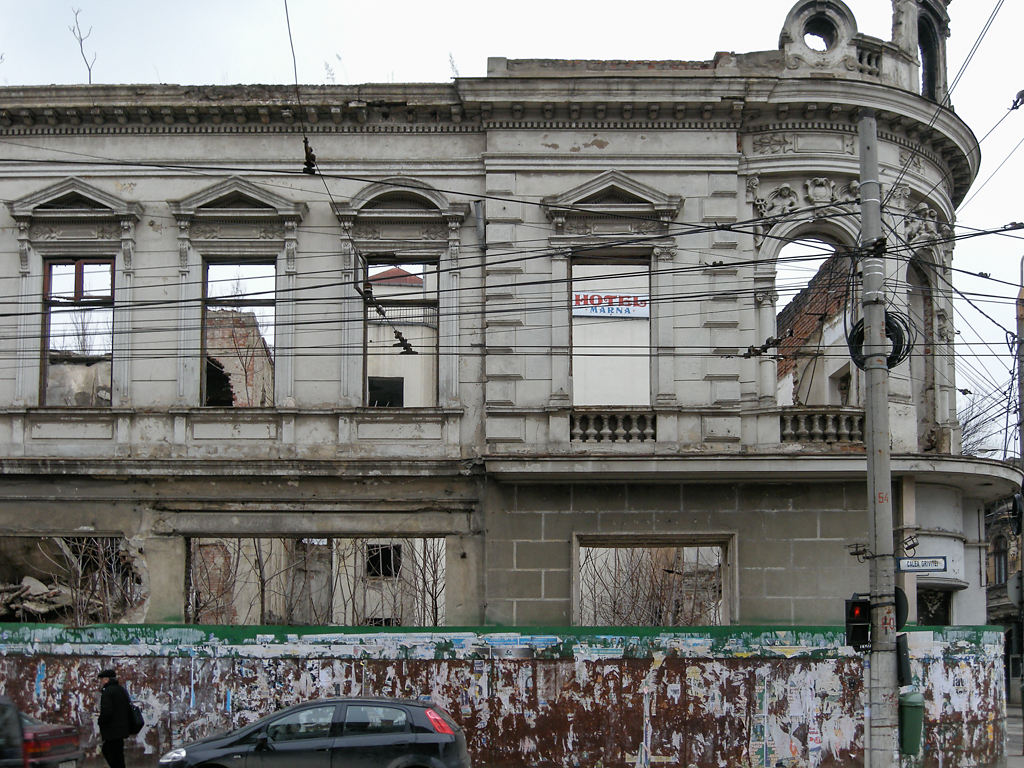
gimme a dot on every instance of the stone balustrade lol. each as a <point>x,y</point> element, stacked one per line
<point>612,426</point>
<point>821,424</point>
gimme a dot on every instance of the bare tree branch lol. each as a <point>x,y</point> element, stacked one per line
<point>76,30</point>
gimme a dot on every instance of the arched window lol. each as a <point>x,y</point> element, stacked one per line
<point>999,551</point>
<point>928,50</point>
<point>815,293</point>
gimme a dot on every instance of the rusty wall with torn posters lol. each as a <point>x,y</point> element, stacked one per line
<point>725,696</point>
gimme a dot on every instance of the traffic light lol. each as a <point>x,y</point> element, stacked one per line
<point>1016,512</point>
<point>903,676</point>
<point>858,623</point>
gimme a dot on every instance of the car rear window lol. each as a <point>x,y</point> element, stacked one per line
<point>370,718</point>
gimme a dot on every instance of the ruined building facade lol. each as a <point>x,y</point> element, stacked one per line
<point>520,333</point>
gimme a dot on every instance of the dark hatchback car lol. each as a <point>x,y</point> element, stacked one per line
<point>26,742</point>
<point>330,733</point>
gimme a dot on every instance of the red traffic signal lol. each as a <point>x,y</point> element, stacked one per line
<point>858,623</point>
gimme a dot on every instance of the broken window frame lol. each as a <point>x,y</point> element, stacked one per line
<point>254,300</point>
<point>391,313</point>
<point>267,582</point>
<point>82,302</point>
<point>380,567</point>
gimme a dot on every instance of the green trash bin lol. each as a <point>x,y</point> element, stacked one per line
<point>911,722</point>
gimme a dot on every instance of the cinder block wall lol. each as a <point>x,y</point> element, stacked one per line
<point>786,545</point>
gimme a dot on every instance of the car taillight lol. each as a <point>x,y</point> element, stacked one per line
<point>34,747</point>
<point>41,746</point>
<point>440,726</point>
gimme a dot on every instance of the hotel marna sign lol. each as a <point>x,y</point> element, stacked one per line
<point>622,305</point>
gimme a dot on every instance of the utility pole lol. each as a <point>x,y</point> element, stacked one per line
<point>1018,634</point>
<point>883,691</point>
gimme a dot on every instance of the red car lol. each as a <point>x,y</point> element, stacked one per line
<point>26,742</point>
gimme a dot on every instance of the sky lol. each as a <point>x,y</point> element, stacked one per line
<point>218,42</point>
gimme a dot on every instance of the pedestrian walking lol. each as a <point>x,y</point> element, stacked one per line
<point>115,718</point>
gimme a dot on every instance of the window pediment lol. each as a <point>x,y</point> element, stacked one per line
<point>70,200</point>
<point>611,202</point>
<point>401,214</point>
<point>237,217</point>
<point>72,217</point>
<point>237,199</point>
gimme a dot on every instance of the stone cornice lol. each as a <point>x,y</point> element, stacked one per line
<point>723,102</point>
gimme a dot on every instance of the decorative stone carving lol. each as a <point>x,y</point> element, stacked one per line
<point>46,232</point>
<point>23,246</point>
<point>291,229</point>
<point>780,201</point>
<point>911,160</point>
<point>108,231</point>
<point>364,231</point>
<point>206,231</point>
<point>127,242</point>
<point>434,231</point>
<point>753,183</point>
<point>270,232</point>
<point>774,143</point>
<point>898,197</point>
<point>820,191</point>
<point>922,225</point>
<point>183,245</point>
<point>665,252</point>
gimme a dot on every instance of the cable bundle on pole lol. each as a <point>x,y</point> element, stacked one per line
<point>898,331</point>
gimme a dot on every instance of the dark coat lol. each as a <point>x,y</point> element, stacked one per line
<point>115,712</point>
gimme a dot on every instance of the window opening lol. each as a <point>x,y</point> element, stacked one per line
<point>385,391</point>
<point>668,586</point>
<point>999,560</point>
<point>611,332</point>
<point>819,34</point>
<point>934,607</point>
<point>79,336</point>
<point>238,334</point>
<point>74,580</point>
<point>383,561</point>
<point>796,266</point>
<point>316,581</point>
<point>401,306</point>
<point>814,298</point>
<point>928,51</point>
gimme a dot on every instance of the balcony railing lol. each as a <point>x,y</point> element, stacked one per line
<point>612,426</point>
<point>822,424</point>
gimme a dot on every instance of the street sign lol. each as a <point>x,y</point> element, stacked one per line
<point>1013,588</point>
<point>920,564</point>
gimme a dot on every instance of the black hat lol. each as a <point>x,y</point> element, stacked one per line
<point>107,673</point>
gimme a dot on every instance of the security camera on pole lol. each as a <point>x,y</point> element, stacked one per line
<point>883,692</point>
